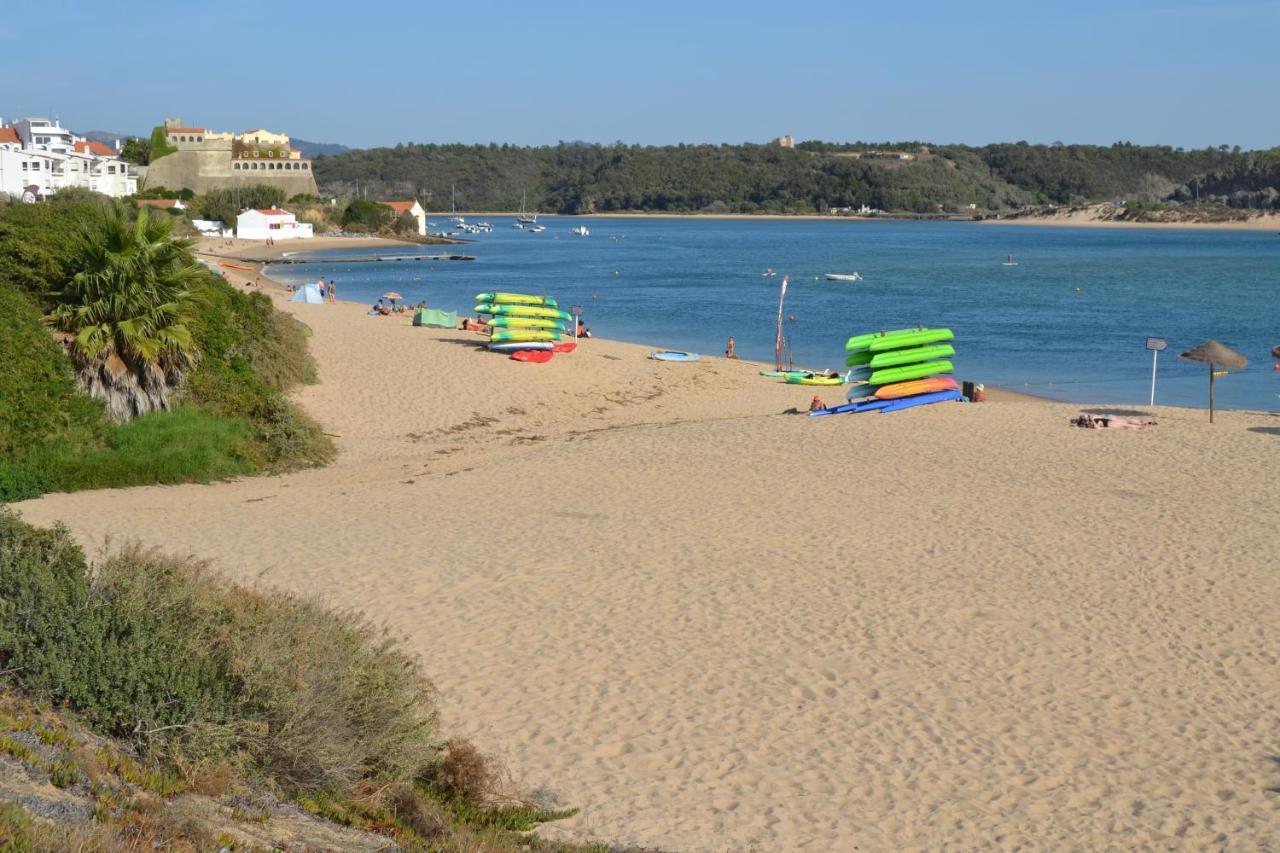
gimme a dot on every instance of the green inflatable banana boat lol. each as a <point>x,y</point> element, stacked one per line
<point>523,311</point>
<point>527,323</point>
<point>513,336</point>
<point>502,298</point>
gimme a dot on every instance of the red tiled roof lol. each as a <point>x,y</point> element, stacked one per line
<point>8,134</point>
<point>399,206</point>
<point>95,147</point>
<point>158,202</point>
<point>184,130</point>
<point>275,211</point>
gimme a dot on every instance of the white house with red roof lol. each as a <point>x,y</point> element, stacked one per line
<point>413,208</point>
<point>271,224</point>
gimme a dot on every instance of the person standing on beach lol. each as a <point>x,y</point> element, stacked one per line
<point>729,350</point>
<point>333,292</point>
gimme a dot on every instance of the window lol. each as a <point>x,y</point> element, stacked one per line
<point>255,165</point>
<point>24,165</point>
<point>306,166</point>
<point>111,170</point>
<point>199,139</point>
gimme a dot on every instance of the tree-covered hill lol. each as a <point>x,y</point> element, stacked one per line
<point>811,178</point>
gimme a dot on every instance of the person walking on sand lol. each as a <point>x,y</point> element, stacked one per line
<point>333,291</point>
<point>729,350</point>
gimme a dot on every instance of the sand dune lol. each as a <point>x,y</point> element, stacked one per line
<point>717,627</point>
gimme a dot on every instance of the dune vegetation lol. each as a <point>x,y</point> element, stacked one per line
<point>127,363</point>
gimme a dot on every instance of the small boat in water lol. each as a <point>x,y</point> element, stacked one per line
<point>769,273</point>
<point>580,231</point>
<point>1009,261</point>
<point>537,229</point>
<point>837,276</point>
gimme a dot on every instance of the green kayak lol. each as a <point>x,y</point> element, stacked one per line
<point>908,372</point>
<point>858,342</point>
<point>910,355</point>
<point>911,339</point>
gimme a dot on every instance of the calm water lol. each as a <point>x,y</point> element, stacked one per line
<point>1069,321</point>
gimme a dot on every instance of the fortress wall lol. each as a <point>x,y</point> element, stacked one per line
<point>206,169</point>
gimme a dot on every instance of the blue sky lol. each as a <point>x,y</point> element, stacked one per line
<point>535,72</point>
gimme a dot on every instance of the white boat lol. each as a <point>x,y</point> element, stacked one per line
<point>537,229</point>
<point>836,276</point>
<point>523,218</point>
<point>517,225</point>
<point>769,273</point>
<point>1009,261</point>
<point>580,231</point>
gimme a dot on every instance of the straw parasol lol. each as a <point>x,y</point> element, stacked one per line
<point>1214,353</point>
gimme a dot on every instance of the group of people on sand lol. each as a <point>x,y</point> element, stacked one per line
<point>1088,421</point>
<point>389,307</point>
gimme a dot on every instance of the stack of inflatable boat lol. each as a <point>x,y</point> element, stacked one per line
<point>903,369</point>
<point>529,327</point>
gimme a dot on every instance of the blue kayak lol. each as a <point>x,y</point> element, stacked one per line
<point>674,355</point>
<point>854,408</point>
<point>920,400</point>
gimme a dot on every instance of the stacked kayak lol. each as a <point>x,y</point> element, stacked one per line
<point>897,370</point>
<point>531,328</point>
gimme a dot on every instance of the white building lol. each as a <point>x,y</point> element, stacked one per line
<point>39,157</point>
<point>413,208</point>
<point>273,224</point>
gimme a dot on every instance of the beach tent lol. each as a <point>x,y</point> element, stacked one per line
<point>1213,353</point>
<point>308,293</point>
<point>432,317</point>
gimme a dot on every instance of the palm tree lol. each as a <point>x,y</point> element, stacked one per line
<point>124,314</point>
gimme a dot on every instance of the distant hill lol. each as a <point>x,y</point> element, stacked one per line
<point>317,149</point>
<point>106,137</point>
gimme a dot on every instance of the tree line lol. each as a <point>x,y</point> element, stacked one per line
<point>811,178</point>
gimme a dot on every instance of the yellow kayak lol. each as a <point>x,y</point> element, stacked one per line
<point>502,298</point>
<point>814,379</point>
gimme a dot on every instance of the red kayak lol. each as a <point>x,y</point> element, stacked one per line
<point>536,356</point>
<point>565,346</point>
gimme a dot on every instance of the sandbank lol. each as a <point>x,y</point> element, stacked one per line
<point>715,626</point>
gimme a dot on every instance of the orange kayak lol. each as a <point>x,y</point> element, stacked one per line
<point>917,386</point>
<point>236,266</point>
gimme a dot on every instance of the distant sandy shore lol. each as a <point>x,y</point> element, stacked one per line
<point>1093,217</point>
<point>715,625</point>
<point>259,250</point>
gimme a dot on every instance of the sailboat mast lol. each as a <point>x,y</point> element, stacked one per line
<point>782,295</point>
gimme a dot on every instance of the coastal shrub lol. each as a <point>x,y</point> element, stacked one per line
<point>362,215</point>
<point>406,223</point>
<point>183,664</point>
<point>159,144</point>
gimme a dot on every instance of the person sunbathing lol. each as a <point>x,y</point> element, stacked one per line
<point>1087,421</point>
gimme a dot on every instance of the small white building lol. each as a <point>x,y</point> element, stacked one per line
<point>212,228</point>
<point>413,208</point>
<point>273,224</point>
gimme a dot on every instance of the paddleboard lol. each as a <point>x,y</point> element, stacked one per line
<point>501,298</point>
<point>858,342</point>
<point>515,346</point>
<point>919,386</point>
<point>502,336</point>
<point>565,346</point>
<point>892,375</point>
<point>913,339</point>
<point>532,356</point>
<point>921,400</point>
<point>910,355</point>
<point>674,355</point>
<point>527,323</point>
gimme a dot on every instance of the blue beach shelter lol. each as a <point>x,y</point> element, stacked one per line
<point>308,293</point>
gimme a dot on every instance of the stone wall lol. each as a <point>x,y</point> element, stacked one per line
<point>204,170</point>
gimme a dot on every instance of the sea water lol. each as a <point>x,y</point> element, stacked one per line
<point>1070,321</point>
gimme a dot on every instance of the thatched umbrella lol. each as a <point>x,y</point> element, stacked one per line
<point>1215,354</point>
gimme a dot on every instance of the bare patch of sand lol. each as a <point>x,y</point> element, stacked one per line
<point>714,626</point>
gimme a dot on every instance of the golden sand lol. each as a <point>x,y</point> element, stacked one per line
<point>715,626</point>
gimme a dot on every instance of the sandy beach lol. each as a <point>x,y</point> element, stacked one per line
<point>716,626</point>
<point>1095,216</point>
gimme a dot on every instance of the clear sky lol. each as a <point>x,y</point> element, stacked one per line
<point>1177,72</point>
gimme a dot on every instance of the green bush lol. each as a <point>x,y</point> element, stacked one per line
<point>159,145</point>
<point>362,215</point>
<point>182,663</point>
